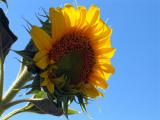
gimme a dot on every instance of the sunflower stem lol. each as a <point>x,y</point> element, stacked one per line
<point>10,104</point>
<point>15,112</point>
<point>22,78</point>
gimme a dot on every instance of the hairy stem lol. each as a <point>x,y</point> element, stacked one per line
<point>17,111</point>
<point>10,104</point>
<point>22,78</point>
<point>3,107</point>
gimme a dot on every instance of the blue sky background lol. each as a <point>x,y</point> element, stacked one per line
<point>134,90</point>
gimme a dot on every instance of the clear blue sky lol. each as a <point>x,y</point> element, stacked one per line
<point>134,90</point>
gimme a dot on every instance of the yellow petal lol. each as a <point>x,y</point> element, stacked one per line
<point>70,14</point>
<point>106,75</point>
<point>102,43</point>
<point>43,63</point>
<point>98,27</point>
<point>44,74</point>
<point>58,23</point>
<point>50,87</point>
<point>45,82</point>
<point>108,68</point>
<point>108,52</point>
<point>40,55</point>
<point>81,17</point>
<point>98,81</point>
<point>41,39</point>
<point>102,74</point>
<point>104,33</point>
<point>93,15</point>
<point>91,91</point>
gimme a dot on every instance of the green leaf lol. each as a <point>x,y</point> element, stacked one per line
<point>82,103</point>
<point>31,47</point>
<point>7,38</point>
<point>35,86</point>
<point>65,107</point>
<point>28,60</point>
<point>72,111</point>
<point>44,106</point>
<point>27,55</point>
<point>41,94</point>
<point>33,91</point>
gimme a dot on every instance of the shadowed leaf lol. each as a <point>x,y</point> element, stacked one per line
<point>44,106</point>
<point>48,107</point>
<point>7,38</point>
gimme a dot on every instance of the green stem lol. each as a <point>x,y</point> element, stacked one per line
<point>10,104</point>
<point>1,78</point>
<point>13,113</point>
<point>22,78</point>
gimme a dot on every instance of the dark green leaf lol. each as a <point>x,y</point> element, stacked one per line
<point>7,38</point>
<point>27,86</point>
<point>47,107</point>
<point>65,107</point>
<point>31,108</point>
<point>28,60</point>
<point>34,109</point>
<point>72,111</point>
<point>31,47</point>
<point>33,91</point>
<point>27,55</point>
<point>81,102</point>
<point>35,86</point>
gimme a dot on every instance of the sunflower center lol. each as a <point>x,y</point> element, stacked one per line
<point>74,55</point>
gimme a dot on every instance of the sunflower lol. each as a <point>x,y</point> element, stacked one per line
<point>78,48</point>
